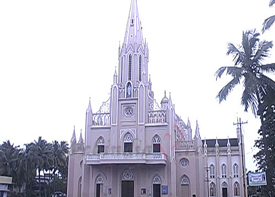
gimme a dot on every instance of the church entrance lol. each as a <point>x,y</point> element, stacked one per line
<point>156,190</point>
<point>99,190</point>
<point>185,191</point>
<point>224,192</point>
<point>127,189</point>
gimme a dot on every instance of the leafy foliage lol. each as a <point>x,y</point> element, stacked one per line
<point>270,20</point>
<point>23,164</point>
<point>248,68</point>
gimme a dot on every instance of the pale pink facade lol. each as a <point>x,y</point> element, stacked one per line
<point>135,147</point>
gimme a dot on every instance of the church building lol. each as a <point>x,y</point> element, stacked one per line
<point>135,147</point>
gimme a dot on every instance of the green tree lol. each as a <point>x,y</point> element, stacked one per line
<point>8,159</point>
<point>249,70</point>
<point>43,157</point>
<point>270,20</point>
<point>60,151</point>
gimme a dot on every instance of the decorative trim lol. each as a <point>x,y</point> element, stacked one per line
<point>127,175</point>
<point>185,180</point>
<point>130,130</point>
<point>157,180</point>
<point>99,180</point>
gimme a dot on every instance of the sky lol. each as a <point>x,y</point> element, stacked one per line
<point>55,55</point>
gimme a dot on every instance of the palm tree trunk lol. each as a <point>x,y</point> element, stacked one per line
<point>39,182</point>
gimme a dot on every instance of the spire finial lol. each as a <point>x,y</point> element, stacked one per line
<point>73,139</point>
<point>89,109</point>
<point>133,33</point>
<point>197,132</point>
<point>80,141</point>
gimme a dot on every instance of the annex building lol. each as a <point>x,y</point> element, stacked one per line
<point>135,147</point>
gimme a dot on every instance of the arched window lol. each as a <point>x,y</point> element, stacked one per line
<point>130,67</point>
<point>235,170</point>
<point>139,68</point>
<point>236,189</point>
<point>185,180</point>
<point>212,171</point>
<point>156,180</point>
<point>156,186</point>
<point>212,189</point>
<point>99,186</point>
<point>223,171</point>
<point>156,144</point>
<point>100,145</point>
<point>128,143</point>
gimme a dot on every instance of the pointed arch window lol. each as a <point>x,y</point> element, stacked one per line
<point>236,189</point>
<point>99,186</point>
<point>130,68</point>
<point>128,143</point>
<point>212,189</point>
<point>223,171</point>
<point>212,171</point>
<point>235,170</point>
<point>100,145</point>
<point>156,180</point>
<point>185,180</point>
<point>139,68</point>
<point>156,144</point>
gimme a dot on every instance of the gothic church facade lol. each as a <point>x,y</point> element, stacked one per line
<point>135,147</point>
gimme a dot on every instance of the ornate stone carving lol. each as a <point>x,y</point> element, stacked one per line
<point>128,175</point>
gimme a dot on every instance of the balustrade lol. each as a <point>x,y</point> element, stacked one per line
<point>158,116</point>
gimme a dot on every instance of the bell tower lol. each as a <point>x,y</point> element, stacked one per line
<point>133,55</point>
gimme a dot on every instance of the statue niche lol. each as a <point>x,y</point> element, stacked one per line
<point>128,90</point>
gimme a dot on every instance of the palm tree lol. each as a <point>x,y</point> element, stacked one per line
<point>43,154</point>
<point>248,69</point>
<point>8,159</point>
<point>27,167</point>
<point>60,151</point>
<point>270,20</point>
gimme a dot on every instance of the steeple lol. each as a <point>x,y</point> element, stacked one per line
<point>133,54</point>
<point>133,33</point>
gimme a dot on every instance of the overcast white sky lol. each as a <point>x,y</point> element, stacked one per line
<point>56,54</point>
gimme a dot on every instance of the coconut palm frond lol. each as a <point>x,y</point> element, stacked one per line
<point>268,23</point>
<point>247,35</point>
<point>222,95</point>
<point>271,2</point>
<point>263,51</point>
<point>220,72</point>
<point>268,67</point>
<point>253,38</point>
<point>249,100</point>
<point>230,70</point>
<point>235,72</point>
<point>237,54</point>
<point>269,82</point>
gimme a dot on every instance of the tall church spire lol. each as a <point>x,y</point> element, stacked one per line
<point>133,54</point>
<point>133,33</point>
